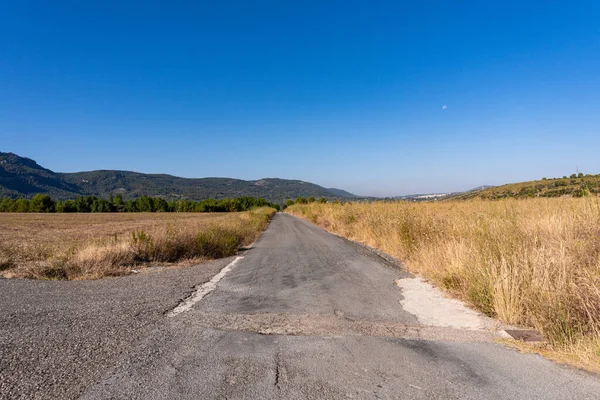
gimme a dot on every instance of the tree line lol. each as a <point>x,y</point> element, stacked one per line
<point>303,200</point>
<point>92,204</point>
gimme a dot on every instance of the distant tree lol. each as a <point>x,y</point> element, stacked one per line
<point>160,205</point>
<point>41,203</point>
<point>301,200</point>
<point>21,205</point>
<point>311,199</point>
<point>130,206</point>
<point>118,199</point>
<point>118,203</point>
<point>290,202</point>
<point>322,200</point>
<point>580,175</point>
<point>186,206</point>
<point>67,206</point>
<point>84,204</point>
<point>6,205</point>
<point>573,176</point>
<point>143,204</point>
<point>101,206</point>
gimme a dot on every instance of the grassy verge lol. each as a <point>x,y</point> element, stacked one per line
<point>532,262</point>
<point>77,246</point>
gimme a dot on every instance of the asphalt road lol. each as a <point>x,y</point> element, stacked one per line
<point>304,314</point>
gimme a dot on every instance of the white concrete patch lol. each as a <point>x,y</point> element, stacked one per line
<point>203,290</point>
<point>432,308</point>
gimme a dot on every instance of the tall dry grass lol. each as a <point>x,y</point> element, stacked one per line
<point>58,253</point>
<point>533,262</point>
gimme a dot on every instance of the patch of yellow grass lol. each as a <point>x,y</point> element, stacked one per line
<point>533,262</point>
<point>71,248</point>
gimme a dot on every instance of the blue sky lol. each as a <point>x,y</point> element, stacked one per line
<point>346,94</point>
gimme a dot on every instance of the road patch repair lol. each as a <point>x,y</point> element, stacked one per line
<point>319,325</point>
<point>433,308</point>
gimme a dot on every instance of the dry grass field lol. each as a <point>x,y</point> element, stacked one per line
<point>532,262</point>
<point>89,246</point>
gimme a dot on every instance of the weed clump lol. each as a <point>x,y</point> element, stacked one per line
<point>217,242</point>
<point>5,263</point>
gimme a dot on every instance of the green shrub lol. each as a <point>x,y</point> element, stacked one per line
<point>217,242</point>
<point>143,245</point>
<point>301,200</point>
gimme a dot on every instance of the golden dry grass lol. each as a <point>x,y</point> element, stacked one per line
<point>533,262</point>
<point>89,246</point>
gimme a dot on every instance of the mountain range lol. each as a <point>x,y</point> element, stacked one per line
<point>23,177</point>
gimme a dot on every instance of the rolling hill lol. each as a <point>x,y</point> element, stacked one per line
<point>574,186</point>
<point>23,177</point>
<point>341,193</point>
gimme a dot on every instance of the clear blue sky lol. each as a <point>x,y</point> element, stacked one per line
<point>346,94</point>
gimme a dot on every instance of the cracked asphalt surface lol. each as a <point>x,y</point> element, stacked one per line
<point>58,337</point>
<point>304,314</point>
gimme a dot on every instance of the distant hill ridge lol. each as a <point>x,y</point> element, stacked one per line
<point>576,185</point>
<point>23,177</point>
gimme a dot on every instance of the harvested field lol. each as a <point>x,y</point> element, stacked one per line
<point>88,246</point>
